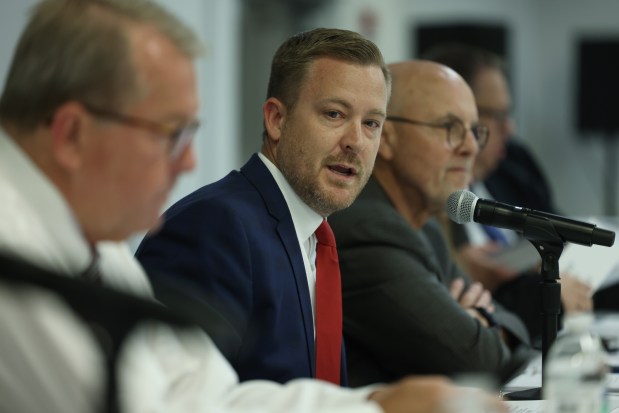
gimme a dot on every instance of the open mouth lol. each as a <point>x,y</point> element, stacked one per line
<point>342,170</point>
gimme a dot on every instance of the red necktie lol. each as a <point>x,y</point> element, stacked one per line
<point>328,306</point>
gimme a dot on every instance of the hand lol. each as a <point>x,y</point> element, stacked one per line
<point>477,263</point>
<point>474,296</point>
<point>428,394</point>
<point>575,294</point>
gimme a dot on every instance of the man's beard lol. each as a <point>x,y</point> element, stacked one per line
<point>308,187</point>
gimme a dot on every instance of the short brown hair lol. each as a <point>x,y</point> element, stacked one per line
<point>294,56</point>
<point>79,50</point>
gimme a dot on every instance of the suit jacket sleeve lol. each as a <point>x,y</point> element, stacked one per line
<point>508,321</point>
<point>397,305</point>
<point>231,248</point>
<point>203,252</point>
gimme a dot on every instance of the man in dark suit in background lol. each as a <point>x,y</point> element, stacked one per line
<point>407,306</point>
<point>246,244</point>
<point>519,180</point>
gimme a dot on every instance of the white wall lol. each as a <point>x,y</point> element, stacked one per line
<point>576,165</point>
<point>217,23</point>
<point>13,14</point>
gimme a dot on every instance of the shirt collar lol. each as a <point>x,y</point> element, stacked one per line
<point>304,218</point>
<point>61,245</point>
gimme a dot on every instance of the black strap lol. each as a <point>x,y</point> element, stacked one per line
<point>112,314</point>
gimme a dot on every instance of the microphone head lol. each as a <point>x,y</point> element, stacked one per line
<point>461,206</point>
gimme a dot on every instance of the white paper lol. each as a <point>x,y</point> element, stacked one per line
<point>526,406</point>
<point>606,326</point>
<point>530,377</point>
<point>597,265</point>
<point>613,403</point>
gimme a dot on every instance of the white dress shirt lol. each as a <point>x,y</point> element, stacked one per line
<point>305,221</point>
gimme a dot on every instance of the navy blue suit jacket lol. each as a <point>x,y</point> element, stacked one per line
<point>233,245</point>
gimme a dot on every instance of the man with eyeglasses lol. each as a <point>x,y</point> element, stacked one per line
<point>407,307</point>
<point>97,117</point>
<point>506,171</point>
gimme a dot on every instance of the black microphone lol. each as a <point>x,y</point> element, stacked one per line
<point>464,206</point>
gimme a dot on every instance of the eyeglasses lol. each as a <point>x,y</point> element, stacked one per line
<point>179,138</point>
<point>456,131</point>
<point>498,115</point>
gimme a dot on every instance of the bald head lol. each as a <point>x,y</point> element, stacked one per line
<point>418,83</point>
<point>427,147</point>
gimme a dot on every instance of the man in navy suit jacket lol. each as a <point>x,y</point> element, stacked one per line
<point>245,244</point>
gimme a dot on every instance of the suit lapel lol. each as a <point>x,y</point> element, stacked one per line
<point>259,176</point>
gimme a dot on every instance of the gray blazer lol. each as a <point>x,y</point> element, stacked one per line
<point>399,317</point>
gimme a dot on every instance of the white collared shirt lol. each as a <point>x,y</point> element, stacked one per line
<point>305,221</point>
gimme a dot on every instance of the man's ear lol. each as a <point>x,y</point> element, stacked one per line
<point>388,142</point>
<point>274,112</point>
<point>66,129</point>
